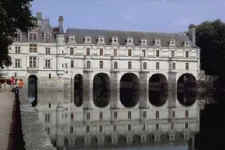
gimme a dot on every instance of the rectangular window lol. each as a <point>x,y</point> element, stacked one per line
<point>186,125</point>
<point>143,53</point>
<point>129,65</point>
<point>88,64</point>
<point>17,63</point>
<point>33,62</point>
<point>33,48</point>
<point>88,116</point>
<point>172,53</point>
<point>186,54</point>
<point>157,53</point>
<point>173,114</point>
<point>115,65</point>
<point>157,65</point>
<point>71,116</point>
<point>115,52</point>
<point>17,50</point>
<point>48,63</point>
<point>100,116</point>
<point>187,66</point>
<point>174,66</point>
<point>115,115</point>
<point>157,115</point>
<point>144,114</point>
<point>47,51</point>
<point>71,129</point>
<point>145,65</point>
<point>101,64</point>
<point>129,115</point>
<point>186,114</point>
<point>87,129</point>
<point>157,126</point>
<point>129,52</point>
<point>71,51</point>
<point>88,52</point>
<point>100,128</point>
<point>47,117</point>
<point>114,128</point>
<point>101,51</point>
<point>72,64</point>
<point>129,127</point>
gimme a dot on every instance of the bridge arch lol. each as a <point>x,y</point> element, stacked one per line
<point>129,90</point>
<point>33,89</point>
<point>101,90</point>
<point>158,89</point>
<point>186,89</point>
<point>78,90</point>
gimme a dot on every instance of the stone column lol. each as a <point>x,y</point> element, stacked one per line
<point>143,88</point>
<point>172,92</point>
<point>87,90</point>
<point>115,91</point>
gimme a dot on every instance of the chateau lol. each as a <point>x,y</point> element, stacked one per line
<point>103,87</point>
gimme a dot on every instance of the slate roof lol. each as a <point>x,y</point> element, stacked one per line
<point>123,35</point>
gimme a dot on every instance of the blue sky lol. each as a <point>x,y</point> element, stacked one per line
<point>135,15</point>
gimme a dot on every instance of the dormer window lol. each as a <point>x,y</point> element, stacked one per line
<point>87,39</point>
<point>157,42</point>
<point>100,40</point>
<point>115,40</point>
<point>143,42</point>
<point>71,39</point>
<point>172,43</point>
<point>130,40</point>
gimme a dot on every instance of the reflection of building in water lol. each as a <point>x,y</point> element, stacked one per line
<point>116,86</point>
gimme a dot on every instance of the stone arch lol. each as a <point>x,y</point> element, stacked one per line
<point>186,89</point>
<point>158,89</point>
<point>129,90</point>
<point>108,140</point>
<point>78,90</point>
<point>136,139</point>
<point>122,140</point>
<point>101,90</point>
<point>33,89</point>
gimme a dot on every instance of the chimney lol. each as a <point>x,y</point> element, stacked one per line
<point>39,15</point>
<point>60,20</point>
<point>192,32</point>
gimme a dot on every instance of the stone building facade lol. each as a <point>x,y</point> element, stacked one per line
<point>102,87</point>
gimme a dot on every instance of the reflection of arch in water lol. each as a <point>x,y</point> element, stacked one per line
<point>33,89</point>
<point>94,140</point>
<point>187,89</point>
<point>129,90</point>
<point>122,140</point>
<point>101,90</point>
<point>79,141</point>
<point>158,89</point>
<point>136,139</point>
<point>66,142</point>
<point>150,138</point>
<point>108,140</point>
<point>78,90</point>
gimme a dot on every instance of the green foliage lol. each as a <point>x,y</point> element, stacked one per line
<point>210,37</point>
<point>14,15</point>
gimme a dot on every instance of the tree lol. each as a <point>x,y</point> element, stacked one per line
<point>210,37</point>
<point>14,15</point>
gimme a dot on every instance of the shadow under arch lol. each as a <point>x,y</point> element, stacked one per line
<point>158,89</point>
<point>187,89</point>
<point>78,90</point>
<point>101,90</point>
<point>129,90</point>
<point>33,90</point>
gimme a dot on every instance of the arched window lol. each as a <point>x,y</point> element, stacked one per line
<point>157,53</point>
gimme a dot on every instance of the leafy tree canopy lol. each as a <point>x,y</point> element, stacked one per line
<point>210,37</point>
<point>14,15</point>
